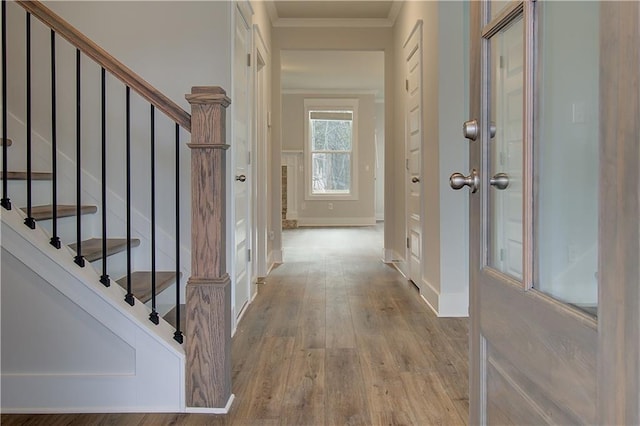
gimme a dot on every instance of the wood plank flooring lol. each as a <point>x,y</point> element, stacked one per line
<point>335,337</point>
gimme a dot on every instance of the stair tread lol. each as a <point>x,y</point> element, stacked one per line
<point>170,317</point>
<point>92,248</point>
<point>23,175</point>
<point>9,142</point>
<point>63,210</point>
<point>141,283</point>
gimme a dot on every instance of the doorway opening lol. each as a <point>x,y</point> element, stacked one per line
<point>333,141</point>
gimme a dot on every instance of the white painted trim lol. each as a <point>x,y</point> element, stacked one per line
<point>390,255</point>
<point>445,304</point>
<point>275,257</point>
<point>333,23</point>
<point>333,104</point>
<point>332,92</point>
<point>271,11</point>
<point>336,221</point>
<point>395,11</point>
<point>206,410</point>
<point>402,266</point>
<point>106,304</point>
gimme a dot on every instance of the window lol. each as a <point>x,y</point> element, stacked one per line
<point>331,135</point>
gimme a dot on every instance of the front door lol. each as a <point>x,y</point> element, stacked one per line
<point>554,208</point>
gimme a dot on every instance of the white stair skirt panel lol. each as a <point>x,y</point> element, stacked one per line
<point>69,344</point>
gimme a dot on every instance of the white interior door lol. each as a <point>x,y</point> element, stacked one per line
<point>413,143</point>
<point>560,85</point>
<point>242,167</point>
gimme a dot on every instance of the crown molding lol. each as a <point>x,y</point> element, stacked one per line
<point>332,23</point>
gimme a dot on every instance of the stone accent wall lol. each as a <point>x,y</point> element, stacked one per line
<point>286,224</point>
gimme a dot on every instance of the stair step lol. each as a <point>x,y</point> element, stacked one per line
<point>170,317</point>
<point>63,210</point>
<point>9,142</point>
<point>92,248</point>
<point>23,175</point>
<point>141,283</point>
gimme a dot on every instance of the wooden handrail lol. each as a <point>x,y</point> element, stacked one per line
<point>108,62</point>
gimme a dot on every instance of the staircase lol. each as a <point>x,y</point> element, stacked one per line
<point>94,295</point>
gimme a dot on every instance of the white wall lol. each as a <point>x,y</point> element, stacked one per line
<point>172,45</point>
<point>444,281</point>
<point>380,176</point>
<point>344,212</point>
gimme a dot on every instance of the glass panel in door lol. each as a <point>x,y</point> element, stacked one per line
<point>566,161</point>
<point>505,149</point>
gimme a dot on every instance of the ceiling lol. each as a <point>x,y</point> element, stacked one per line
<point>332,72</point>
<point>378,13</point>
<point>331,9</point>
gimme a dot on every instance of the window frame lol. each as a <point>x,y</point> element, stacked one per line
<point>330,104</point>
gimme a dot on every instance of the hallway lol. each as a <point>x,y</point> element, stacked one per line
<point>335,336</point>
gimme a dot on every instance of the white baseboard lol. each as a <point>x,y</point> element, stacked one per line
<point>390,256</point>
<point>275,257</point>
<point>207,410</point>
<point>336,221</point>
<point>445,305</point>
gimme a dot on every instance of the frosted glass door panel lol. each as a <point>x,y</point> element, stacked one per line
<point>566,162</point>
<point>505,155</point>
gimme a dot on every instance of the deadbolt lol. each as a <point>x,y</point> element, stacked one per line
<point>458,181</point>
<point>415,179</point>
<point>500,181</point>
<point>471,130</point>
<point>241,178</point>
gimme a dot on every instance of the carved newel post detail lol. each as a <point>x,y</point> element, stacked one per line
<point>208,295</point>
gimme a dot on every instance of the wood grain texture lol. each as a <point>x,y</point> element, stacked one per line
<point>208,347</point>
<point>476,412</point>
<point>619,228</point>
<point>279,380</point>
<point>92,248</point>
<point>208,295</point>
<point>108,62</point>
<point>46,212</point>
<point>141,283</point>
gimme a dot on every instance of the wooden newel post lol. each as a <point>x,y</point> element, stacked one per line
<point>208,295</point>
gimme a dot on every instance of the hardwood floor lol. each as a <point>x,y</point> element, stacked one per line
<point>334,337</point>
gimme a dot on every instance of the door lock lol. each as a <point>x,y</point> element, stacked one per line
<point>471,130</point>
<point>500,181</point>
<point>241,178</point>
<point>458,181</point>
<point>415,179</point>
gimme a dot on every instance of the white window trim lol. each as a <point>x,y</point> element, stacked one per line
<point>341,104</point>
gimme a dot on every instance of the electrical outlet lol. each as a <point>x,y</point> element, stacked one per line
<point>330,205</point>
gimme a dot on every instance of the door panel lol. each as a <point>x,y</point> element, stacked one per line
<point>413,98</point>
<point>533,358</point>
<point>241,147</point>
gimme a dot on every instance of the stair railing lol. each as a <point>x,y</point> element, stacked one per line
<point>208,325</point>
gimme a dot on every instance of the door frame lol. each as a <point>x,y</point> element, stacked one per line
<point>618,340</point>
<point>416,32</point>
<point>245,11</point>
<point>261,163</point>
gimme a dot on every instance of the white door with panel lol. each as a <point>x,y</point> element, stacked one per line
<point>554,207</point>
<point>413,150</point>
<point>242,166</point>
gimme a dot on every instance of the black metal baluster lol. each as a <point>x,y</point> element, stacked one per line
<point>79,259</point>
<point>153,316</point>
<point>55,240</point>
<point>129,297</point>
<point>29,220</point>
<point>6,202</point>
<point>104,279</point>
<point>177,335</point>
